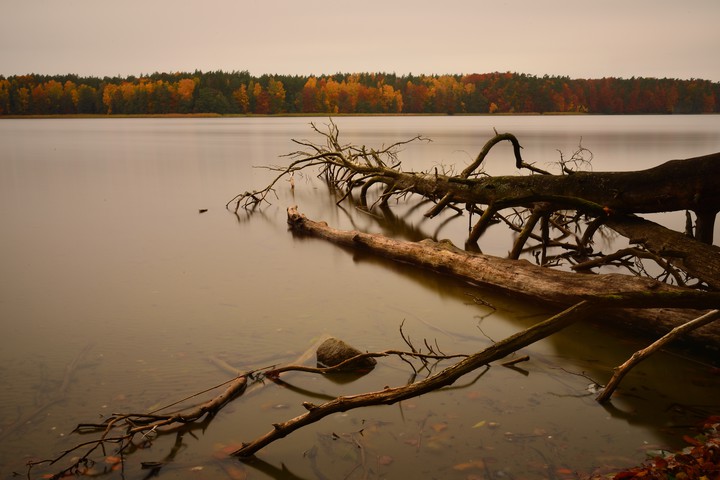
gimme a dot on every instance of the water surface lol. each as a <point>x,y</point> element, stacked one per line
<point>103,247</point>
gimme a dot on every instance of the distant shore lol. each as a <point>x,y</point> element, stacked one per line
<point>315,115</point>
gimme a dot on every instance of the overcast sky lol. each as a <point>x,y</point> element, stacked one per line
<point>580,39</point>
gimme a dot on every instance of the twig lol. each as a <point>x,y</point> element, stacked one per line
<point>641,355</point>
<point>143,424</point>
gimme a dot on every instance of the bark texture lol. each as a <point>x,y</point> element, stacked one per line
<point>523,279</point>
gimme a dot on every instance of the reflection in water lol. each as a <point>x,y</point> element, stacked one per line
<point>102,243</point>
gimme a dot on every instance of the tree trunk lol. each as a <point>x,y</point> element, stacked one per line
<point>691,184</point>
<point>522,279</point>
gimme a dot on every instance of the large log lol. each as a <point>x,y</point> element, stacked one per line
<point>689,184</point>
<point>521,278</point>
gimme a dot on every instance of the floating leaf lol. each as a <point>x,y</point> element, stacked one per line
<point>439,427</point>
<point>479,424</point>
<point>235,473</point>
<point>473,464</point>
<point>385,460</point>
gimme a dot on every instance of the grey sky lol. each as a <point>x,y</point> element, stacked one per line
<point>581,39</point>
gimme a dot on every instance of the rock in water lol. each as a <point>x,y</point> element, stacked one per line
<point>333,352</point>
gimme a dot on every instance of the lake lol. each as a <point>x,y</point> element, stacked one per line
<point>104,251</point>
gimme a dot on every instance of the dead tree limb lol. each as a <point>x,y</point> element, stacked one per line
<point>519,278</point>
<point>499,350</point>
<point>347,168</point>
<point>641,355</point>
<point>446,377</point>
<point>121,429</point>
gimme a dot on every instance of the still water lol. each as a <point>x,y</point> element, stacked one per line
<point>103,250</point>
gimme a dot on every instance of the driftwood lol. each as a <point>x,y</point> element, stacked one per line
<point>388,396</point>
<point>151,423</point>
<point>641,355</point>
<point>519,277</point>
<point>677,185</point>
<point>449,375</point>
<point>568,210</point>
<point>121,430</point>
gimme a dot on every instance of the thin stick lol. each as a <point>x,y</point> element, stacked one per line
<point>641,355</point>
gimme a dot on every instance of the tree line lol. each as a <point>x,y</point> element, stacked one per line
<point>241,93</point>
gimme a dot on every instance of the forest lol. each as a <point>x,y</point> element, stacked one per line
<point>239,92</point>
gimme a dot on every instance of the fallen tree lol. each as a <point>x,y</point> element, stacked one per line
<point>524,279</point>
<point>691,184</point>
<point>562,211</point>
<point>557,203</point>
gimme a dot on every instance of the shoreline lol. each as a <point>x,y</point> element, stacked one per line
<point>311,115</point>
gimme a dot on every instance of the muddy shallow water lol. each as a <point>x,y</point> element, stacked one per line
<point>103,248</point>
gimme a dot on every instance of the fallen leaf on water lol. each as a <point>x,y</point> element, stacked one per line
<point>479,424</point>
<point>235,473</point>
<point>112,460</point>
<point>222,450</point>
<point>385,459</point>
<point>473,464</point>
<point>413,442</point>
<point>439,427</point>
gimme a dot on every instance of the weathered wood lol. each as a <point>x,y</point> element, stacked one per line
<point>448,376</point>
<point>694,257</point>
<point>690,184</point>
<point>641,355</point>
<point>520,278</point>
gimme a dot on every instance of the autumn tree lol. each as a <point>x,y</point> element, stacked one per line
<point>242,99</point>
<point>260,99</point>
<point>186,91</point>
<point>310,96</point>
<point>276,96</point>
<point>231,92</point>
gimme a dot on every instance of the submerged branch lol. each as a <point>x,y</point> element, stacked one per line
<point>448,376</point>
